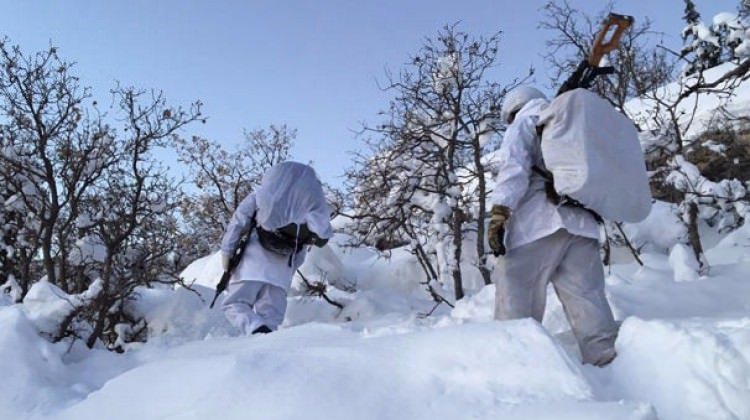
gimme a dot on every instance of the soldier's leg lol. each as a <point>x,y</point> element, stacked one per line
<point>523,275</point>
<point>271,306</point>
<point>579,284</point>
<point>238,305</point>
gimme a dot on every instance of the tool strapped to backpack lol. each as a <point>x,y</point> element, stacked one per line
<point>589,69</point>
<point>591,151</point>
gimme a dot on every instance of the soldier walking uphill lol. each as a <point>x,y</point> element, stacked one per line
<point>286,215</point>
<point>545,242</point>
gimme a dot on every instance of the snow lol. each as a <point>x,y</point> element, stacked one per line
<point>645,111</point>
<point>683,351</point>
<point>28,363</point>
<point>683,348</point>
<point>684,264</point>
<point>701,363</point>
<point>660,231</point>
<point>482,370</point>
<point>726,18</point>
<point>705,34</point>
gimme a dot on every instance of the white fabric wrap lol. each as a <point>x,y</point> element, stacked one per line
<point>518,187</point>
<point>290,192</point>
<point>595,156</point>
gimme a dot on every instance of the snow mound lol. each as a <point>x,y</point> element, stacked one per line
<point>479,307</point>
<point>491,370</point>
<point>204,271</point>
<point>32,368</point>
<point>732,248</point>
<point>684,264</point>
<point>688,369</point>
<point>180,315</point>
<point>660,231</point>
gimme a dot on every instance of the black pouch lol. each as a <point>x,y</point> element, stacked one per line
<point>289,239</point>
<point>279,242</point>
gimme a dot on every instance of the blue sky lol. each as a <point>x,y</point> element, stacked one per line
<point>310,64</point>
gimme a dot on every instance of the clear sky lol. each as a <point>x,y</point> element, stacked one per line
<point>310,64</point>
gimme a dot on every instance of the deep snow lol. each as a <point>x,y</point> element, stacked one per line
<point>684,352</point>
<point>683,348</point>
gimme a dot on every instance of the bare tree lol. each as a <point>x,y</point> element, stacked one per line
<point>54,150</point>
<point>132,212</point>
<point>87,207</point>
<point>423,182</point>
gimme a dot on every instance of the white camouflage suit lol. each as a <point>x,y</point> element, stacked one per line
<point>546,244</point>
<point>290,192</point>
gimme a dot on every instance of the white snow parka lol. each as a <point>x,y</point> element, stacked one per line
<point>518,187</point>
<point>290,192</point>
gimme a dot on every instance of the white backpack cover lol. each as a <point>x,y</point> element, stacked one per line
<point>594,155</point>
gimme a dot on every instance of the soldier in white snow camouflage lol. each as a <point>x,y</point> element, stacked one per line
<point>545,242</point>
<point>290,213</point>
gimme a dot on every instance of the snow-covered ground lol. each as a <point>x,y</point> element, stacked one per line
<point>684,352</point>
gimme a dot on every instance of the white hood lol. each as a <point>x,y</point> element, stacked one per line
<point>290,192</point>
<point>532,108</point>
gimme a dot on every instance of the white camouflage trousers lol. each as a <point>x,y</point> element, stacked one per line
<point>571,263</point>
<point>251,304</point>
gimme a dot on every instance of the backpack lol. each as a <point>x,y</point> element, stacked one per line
<point>594,155</point>
<point>287,240</point>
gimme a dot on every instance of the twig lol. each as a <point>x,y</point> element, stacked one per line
<point>319,289</point>
<point>629,245</point>
<point>434,307</point>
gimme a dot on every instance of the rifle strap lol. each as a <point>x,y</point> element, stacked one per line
<point>561,200</point>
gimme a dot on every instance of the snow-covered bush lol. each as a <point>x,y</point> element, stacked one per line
<point>86,206</point>
<point>686,117</point>
<point>726,38</point>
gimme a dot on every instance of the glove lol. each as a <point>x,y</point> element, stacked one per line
<point>225,261</point>
<point>496,230</point>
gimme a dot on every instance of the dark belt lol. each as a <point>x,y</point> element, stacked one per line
<point>561,200</point>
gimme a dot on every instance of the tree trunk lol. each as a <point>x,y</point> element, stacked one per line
<point>25,279</point>
<point>102,301</point>
<point>482,214</point>
<point>49,263</point>
<point>694,238</point>
<point>101,317</point>
<point>458,217</point>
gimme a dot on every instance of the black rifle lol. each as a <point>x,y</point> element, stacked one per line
<point>234,261</point>
<point>589,68</point>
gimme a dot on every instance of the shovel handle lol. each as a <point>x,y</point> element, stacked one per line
<point>602,45</point>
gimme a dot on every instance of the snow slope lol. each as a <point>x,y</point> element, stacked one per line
<point>321,371</point>
<point>684,353</point>
<point>705,106</point>
<point>683,348</point>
